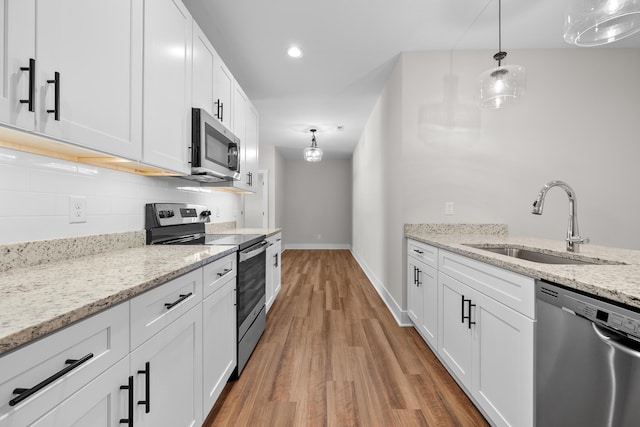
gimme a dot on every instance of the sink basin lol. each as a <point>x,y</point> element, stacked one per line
<point>540,257</point>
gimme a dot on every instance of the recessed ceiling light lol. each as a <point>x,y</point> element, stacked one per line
<point>294,52</point>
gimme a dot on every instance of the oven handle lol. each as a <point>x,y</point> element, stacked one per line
<point>254,250</point>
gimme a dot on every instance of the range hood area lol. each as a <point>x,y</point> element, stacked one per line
<point>220,184</point>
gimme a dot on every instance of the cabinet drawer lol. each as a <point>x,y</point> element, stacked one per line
<point>217,273</point>
<point>100,341</point>
<point>423,252</point>
<point>509,288</point>
<point>155,309</point>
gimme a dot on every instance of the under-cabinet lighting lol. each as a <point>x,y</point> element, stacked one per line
<point>37,144</point>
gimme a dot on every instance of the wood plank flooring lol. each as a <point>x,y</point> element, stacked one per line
<point>333,355</point>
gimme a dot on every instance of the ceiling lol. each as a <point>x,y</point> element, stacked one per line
<point>350,48</point>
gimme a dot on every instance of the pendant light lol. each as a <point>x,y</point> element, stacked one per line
<point>505,83</point>
<point>597,22</point>
<point>313,153</point>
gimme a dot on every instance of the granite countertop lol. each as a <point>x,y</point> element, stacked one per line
<point>619,283</point>
<point>266,231</point>
<point>43,297</point>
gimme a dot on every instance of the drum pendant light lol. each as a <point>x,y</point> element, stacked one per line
<point>504,84</point>
<point>313,153</point>
<point>598,22</point>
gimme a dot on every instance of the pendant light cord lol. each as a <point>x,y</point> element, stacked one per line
<point>500,55</point>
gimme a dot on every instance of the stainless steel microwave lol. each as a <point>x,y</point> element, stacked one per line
<point>215,151</point>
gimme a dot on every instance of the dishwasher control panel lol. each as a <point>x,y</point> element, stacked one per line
<point>598,311</point>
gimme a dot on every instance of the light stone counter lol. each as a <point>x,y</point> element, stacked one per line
<point>43,298</point>
<point>209,228</point>
<point>619,283</point>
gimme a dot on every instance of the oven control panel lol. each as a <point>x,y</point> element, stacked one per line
<point>164,214</point>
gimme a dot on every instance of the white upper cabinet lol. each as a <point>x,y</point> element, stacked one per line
<point>204,63</point>
<point>167,84</point>
<point>223,93</point>
<point>88,73</point>
<point>251,145</point>
<point>17,48</point>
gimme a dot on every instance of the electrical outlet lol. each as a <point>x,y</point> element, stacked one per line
<point>448,208</point>
<point>77,209</point>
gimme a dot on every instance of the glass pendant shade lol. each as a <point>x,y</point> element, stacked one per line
<point>502,85</point>
<point>313,153</point>
<point>597,22</point>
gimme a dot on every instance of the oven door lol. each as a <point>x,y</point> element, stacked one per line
<point>251,285</point>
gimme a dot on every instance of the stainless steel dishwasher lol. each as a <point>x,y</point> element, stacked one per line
<point>587,360</point>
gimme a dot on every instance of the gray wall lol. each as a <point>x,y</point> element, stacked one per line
<point>578,122</point>
<point>317,207</point>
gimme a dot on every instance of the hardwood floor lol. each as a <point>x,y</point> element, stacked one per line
<point>333,355</point>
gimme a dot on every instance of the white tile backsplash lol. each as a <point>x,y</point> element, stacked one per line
<point>35,190</point>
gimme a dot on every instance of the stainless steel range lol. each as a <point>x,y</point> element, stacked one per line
<point>184,224</point>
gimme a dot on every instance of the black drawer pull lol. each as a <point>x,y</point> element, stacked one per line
<point>418,251</point>
<point>32,83</point>
<point>147,383</point>
<point>56,108</point>
<point>24,393</point>
<point>224,272</point>
<point>129,387</point>
<point>183,297</point>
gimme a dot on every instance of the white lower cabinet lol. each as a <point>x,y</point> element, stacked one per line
<point>218,341</point>
<point>485,330</point>
<point>422,290</point>
<point>102,402</point>
<point>273,269</point>
<point>167,372</point>
<point>60,364</point>
<point>160,359</point>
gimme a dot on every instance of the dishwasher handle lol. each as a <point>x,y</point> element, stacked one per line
<point>617,341</point>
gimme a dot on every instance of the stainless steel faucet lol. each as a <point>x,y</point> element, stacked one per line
<point>573,235</point>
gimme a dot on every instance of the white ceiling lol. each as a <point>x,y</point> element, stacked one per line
<point>350,47</point>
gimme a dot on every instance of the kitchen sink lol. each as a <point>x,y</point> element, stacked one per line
<point>542,257</point>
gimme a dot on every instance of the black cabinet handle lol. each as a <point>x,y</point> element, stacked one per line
<point>277,258</point>
<point>32,83</point>
<point>418,282</point>
<point>24,393</point>
<point>56,108</point>
<point>224,272</point>
<point>462,310</point>
<point>183,297</point>
<point>219,110</point>
<point>129,386</point>
<point>147,383</point>
<point>418,251</point>
<point>468,318</point>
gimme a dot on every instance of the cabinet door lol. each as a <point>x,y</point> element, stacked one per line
<point>270,267</point>
<point>204,59</point>
<point>219,341</point>
<point>100,403</point>
<point>414,293</point>
<point>251,144</point>
<point>170,364</point>
<point>167,84</point>
<point>454,334</point>
<point>428,279</point>
<point>223,89</point>
<point>17,46</point>
<point>96,47</point>
<point>239,128</point>
<point>277,271</point>
<point>503,363</point>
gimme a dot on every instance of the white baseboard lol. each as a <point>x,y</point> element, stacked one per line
<point>401,316</point>
<point>317,246</point>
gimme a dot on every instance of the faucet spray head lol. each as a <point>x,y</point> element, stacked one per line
<point>538,204</point>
